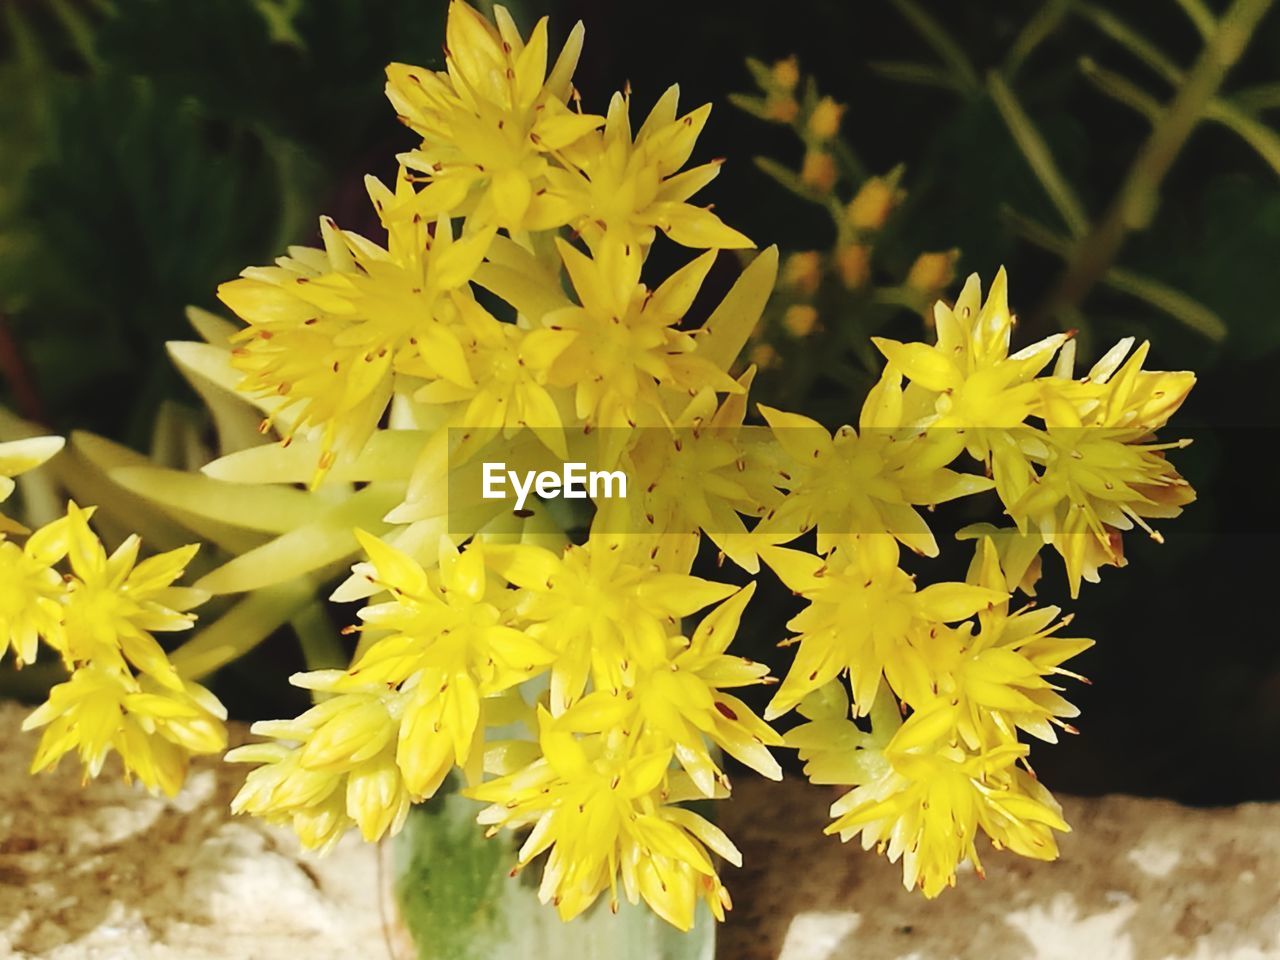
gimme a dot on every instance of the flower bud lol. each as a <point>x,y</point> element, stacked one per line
<point>818,171</point>
<point>871,206</point>
<point>803,272</point>
<point>854,264</point>
<point>786,74</point>
<point>824,121</point>
<point>800,320</point>
<point>933,272</point>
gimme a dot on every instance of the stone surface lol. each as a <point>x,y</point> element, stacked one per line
<point>107,872</point>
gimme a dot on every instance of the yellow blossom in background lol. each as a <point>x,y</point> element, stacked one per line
<point>872,205</point>
<point>124,695</point>
<point>818,171</point>
<point>824,120</point>
<point>932,272</point>
<point>854,264</point>
<point>800,320</point>
<point>803,272</point>
<point>786,73</point>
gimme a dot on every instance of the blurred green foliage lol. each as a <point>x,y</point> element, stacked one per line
<point>153,148</point>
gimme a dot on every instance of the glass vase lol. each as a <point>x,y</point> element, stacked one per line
<point>456,900</point>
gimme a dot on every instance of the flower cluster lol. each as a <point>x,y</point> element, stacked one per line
<point>854,282</point>
<point>100,617</point>
<point>583,690</point>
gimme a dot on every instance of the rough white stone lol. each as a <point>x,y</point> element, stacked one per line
<point>106,872</point>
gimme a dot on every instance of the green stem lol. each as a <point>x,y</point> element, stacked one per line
<point>1200,15</point>
<point>1264,140</point>
<point>242,628</point>
<point>1043,23</point>
<point>1038,156</point>
<point>1131,40</point>
<point>1237,119</point>
<point>919,74</point>
<point>1121,89</point>
<point>1191,313</point>
<point>951,53</point>
<point>1135,202</point>
<point>321,648</point>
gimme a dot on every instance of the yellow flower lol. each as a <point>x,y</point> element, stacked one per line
<point>600,608</point>
<point>449,645</point>
<point>328,329</point>
<point>864,615</point>
<point>702,475</point>
<point>868,482</point>
<point>342,770</point>
<point>509,368</point>
<point>154,728</point>
<point>969,381</point>
<point>490,122</point>
<point>603,807</point>
<point>30,597</point>
<point>924,800</point>
<point>678,694</point>
<point>1100,471</point>
<point>112,604</point>
<point>625,346</point>
<point>997,681</point>
<point>621,190</point>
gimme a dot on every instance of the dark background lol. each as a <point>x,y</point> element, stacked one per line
<point>149,149</point>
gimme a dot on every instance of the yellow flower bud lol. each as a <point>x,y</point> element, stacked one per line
<point>875,200</point>
<point>854,264</point>
<point>800,320</point>
<point>824,121</point>
<point>786,73</point>
<point>782,108</point>
<point>933,271</point>
<point>803,272</point>
<point>764,356</point>
<point>818,171</point>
